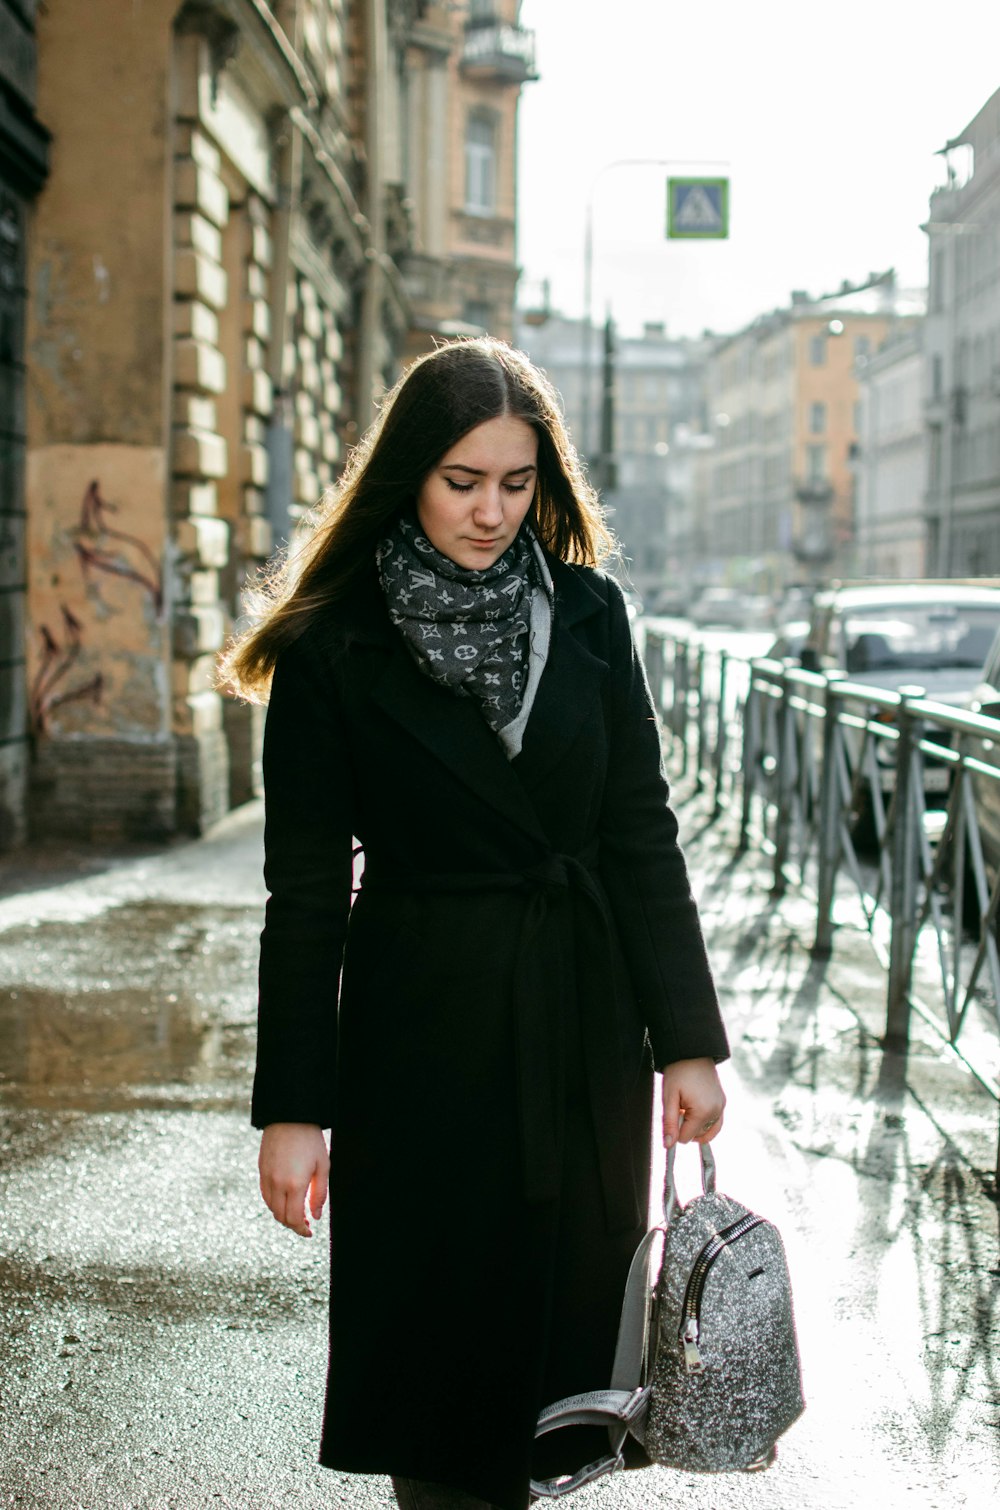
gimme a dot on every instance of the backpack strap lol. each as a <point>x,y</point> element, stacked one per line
<point>622,1408</point>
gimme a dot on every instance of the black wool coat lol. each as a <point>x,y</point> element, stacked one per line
<point>479,1030</point>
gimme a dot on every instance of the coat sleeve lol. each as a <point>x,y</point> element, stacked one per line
<point>308,794</point>
<point>645,873</point>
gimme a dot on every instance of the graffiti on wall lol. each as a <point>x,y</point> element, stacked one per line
<point>49,690</point>
<point>102,548</point>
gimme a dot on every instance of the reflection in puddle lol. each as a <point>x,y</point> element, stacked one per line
<point>148,1004</point>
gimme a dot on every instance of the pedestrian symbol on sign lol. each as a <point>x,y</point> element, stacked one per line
<point>698,208</point>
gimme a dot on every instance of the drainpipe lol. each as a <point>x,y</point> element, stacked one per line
<point>280,439</point>
<point>376,66</point>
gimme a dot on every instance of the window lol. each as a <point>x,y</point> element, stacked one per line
<point>816,463</point>
<point>937,272</point>
<point>937,377</point>
<point>934,457</point>
<point>862,348</point>
<point>817,350</point>
<point>478,312</point>
<point>480,165</point>
<point>817,419</point>
<point>482,12</point>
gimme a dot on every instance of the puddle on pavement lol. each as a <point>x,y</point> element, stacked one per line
<point>149,1004</point>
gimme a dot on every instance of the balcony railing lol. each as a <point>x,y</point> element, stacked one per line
<point>505,54</point>
<point>813,490</point>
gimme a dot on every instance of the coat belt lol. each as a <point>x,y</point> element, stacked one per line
<point>562,894</point>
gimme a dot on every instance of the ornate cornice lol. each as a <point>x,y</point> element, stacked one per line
<point>327,201</point>
<point>269,63</point>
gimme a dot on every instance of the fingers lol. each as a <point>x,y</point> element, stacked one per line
<point>672,1127</point>
<point>286,1203</point>
<point>709,1130</point>
<point>697,1126</point>
<point>294,1167</point>
<point>703,1119</point>
<point>693,1102</point>
<point>295,1213</point>
<point>318,1190</point>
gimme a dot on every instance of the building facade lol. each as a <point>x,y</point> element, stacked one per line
<point>962,370</point>
<point>890,532</point>
<point>218,295</point>
<point>785,413</point>
<point>465,66</point>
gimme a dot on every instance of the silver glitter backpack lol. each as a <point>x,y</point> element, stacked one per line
<point>706,1372</point>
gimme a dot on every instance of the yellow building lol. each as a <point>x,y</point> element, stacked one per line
<point>784,408</point>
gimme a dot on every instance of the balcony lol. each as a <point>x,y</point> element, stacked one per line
<point>813,491</point>
<point>499,54</point>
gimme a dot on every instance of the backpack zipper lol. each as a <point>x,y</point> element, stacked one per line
<point>690,1329</point>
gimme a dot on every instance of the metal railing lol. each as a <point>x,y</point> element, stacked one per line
<point>832,779</point>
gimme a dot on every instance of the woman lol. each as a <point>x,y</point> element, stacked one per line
<point>455,684</point>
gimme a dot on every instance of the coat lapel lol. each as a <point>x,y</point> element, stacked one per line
<point>454,730</point>
<point>565,699</point>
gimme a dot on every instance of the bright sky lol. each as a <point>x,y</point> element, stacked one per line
<point>826,119</point>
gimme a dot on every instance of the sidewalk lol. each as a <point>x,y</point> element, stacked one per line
<point>162,1340</point>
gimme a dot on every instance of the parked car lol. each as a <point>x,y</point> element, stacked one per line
<point>728,608</point>
<point>790,642</point>
<point>795,603</point>
<point>985,698</point>
<point>934,635</point>
<point>670,602</point>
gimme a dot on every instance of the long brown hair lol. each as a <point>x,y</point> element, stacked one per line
<point>440,398</point>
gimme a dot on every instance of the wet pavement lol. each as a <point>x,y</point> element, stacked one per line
<point>162,1340</point>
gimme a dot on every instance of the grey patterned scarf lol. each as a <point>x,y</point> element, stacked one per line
<point>467,629</point>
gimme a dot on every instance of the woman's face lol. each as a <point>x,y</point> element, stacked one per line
<point>471,505</point>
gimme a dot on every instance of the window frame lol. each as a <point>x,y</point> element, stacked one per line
<point>816,463</point>
<point>481,162</point>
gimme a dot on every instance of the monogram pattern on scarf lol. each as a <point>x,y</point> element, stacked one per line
<point>467,629</point>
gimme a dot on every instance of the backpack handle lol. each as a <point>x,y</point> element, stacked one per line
<point>671,1200</point>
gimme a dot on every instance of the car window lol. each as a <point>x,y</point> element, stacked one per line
<point>924,636</point>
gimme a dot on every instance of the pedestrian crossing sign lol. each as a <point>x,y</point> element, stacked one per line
<point>697,208</point>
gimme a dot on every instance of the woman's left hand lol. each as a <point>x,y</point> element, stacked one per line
<point>693,1102</point>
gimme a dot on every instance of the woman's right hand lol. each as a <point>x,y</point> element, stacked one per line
<point>294,1164</point>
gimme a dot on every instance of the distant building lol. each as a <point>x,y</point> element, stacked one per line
<point>660,418</point>
<point>890,533</point>
<point>962,373</point>
<point>784,410</point>
<point>558,345</point>
<point>657,417</point>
